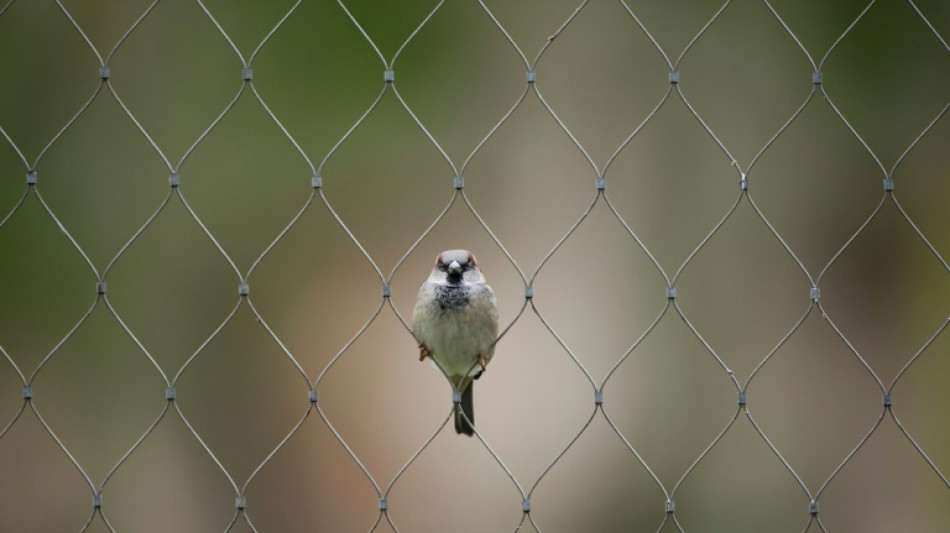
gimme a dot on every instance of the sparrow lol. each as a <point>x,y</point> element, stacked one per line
<point>455,321</point>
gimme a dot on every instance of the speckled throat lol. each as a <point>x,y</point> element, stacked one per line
<point>452,296</point>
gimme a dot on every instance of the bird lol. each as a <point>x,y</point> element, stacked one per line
<point>455,321</point>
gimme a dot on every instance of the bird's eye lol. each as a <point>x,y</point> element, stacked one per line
<point>441,266</point>
<point>467,265</point>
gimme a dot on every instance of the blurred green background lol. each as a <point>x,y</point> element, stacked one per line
<point>882,287</point>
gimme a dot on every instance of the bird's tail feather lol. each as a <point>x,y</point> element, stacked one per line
<point>463,424</point>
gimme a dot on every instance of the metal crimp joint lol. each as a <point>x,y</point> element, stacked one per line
<point>813,507</point>
<point>170,394</point>
<point>97,500</point>
<point>671,292</point>
<point>459,183</point>
<point>174,180</point>
<point>816,77</point>
<point>670,506</point>
<point>598,397</point>
<point>389,76</point>
<point>31,177</point>
<point>240,503</point>
<point>674,77</point>
<point>244,289</point>
<point>888,185</point>
<point>383,504</point>
<point>387,291</point>
<point>27,392</point>
<point>100,287</point>
<point>526,506</point>
<point>530,76</point>
<point>815,294</point>
<point>529,292</point>
<point>104,72</point>
<point>247,74</point>
<point>742,398</point>
<point>887,400</point>
<point>316,182</point>
<point>456,397</point>
<point>314,396</point>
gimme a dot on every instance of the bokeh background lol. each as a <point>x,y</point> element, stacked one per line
<point>242,424</point>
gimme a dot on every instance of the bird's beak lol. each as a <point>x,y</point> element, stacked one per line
<point>454,268</point>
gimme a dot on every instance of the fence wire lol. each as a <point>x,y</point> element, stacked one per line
<point>665,501</point>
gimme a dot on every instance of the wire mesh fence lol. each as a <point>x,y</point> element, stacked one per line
<point>716,230</point>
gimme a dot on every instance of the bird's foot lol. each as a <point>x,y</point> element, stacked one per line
<point>481,361</point>
<point>423,352</point>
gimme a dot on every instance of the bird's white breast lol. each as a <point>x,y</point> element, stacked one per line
<point>456,336</point>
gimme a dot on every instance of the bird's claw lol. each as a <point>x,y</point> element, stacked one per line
<point>481,361</point>
<point>423,352</point>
